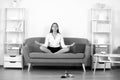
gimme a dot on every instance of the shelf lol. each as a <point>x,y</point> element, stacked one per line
<point>108,58</point>
<point>14,48</point>
<point>102,21</point>
<point>100,32</point>
<point>14,37</point>
<point>14,31</point>
<point>12,43</point>
<point>15,19</point>
<point>14,8</point>
<point>101,44</point>
<point>12,52</point>
<point>99,9</point>
<point>115,61</point>
<point>114,55</point>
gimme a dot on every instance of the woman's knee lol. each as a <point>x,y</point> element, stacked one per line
<point>66,49</point>
<point>42,48</point>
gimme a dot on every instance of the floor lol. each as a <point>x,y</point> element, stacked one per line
<point>50,73</point>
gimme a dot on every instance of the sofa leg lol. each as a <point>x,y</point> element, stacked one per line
<point>29,65</point>
<point>83,65</point>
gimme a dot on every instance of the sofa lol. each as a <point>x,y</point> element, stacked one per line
<point>77,55</point>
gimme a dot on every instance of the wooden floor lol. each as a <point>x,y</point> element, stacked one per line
<point>48,73</point>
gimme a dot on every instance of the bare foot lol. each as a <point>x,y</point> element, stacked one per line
<point>57,53</point>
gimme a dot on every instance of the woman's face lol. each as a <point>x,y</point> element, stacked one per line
<point>54,28</point>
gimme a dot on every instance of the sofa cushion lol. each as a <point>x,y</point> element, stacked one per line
<point>38,55</point>
<point>33,47</point>
<point>78,48</point>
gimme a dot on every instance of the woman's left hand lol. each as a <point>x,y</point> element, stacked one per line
<point>71,45</point>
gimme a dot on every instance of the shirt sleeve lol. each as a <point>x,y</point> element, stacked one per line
<point>62,43</point>
<point>46,41</point>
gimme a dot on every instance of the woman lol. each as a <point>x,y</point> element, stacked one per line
<point>54,42</point>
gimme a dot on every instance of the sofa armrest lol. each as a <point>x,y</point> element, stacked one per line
<point>86,59</point>
<point>26,52</point>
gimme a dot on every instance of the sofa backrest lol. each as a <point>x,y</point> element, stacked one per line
<point>76,40</point>
<point>34,47</point>
<point>80,44</point>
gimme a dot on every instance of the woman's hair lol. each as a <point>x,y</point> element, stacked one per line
<point>51,31</point>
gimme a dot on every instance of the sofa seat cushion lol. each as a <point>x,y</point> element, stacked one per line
<point>38,55</point>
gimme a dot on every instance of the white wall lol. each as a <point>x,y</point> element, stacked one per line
<point>73,17</point>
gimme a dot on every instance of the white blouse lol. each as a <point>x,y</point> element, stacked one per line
<point>54,42</point>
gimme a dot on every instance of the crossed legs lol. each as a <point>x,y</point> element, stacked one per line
<point>46,50</point>
<point>63,50</point>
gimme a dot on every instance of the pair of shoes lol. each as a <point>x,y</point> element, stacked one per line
<point>67,75</point>
<point>70,76</point>
<point>63,76</point>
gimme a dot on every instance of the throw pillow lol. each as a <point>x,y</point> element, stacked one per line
<point>78,48</point>
<point>34,48</point>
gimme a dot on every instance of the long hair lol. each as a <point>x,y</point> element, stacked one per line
<point>51,31</point>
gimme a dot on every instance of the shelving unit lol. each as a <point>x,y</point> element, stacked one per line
<point>101,30</point>
<point>14,37</point>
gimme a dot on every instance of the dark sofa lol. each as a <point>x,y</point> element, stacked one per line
<point>78,54</point>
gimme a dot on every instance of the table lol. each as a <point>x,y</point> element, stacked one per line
<point>13,61</point>
<point>108,59</point>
